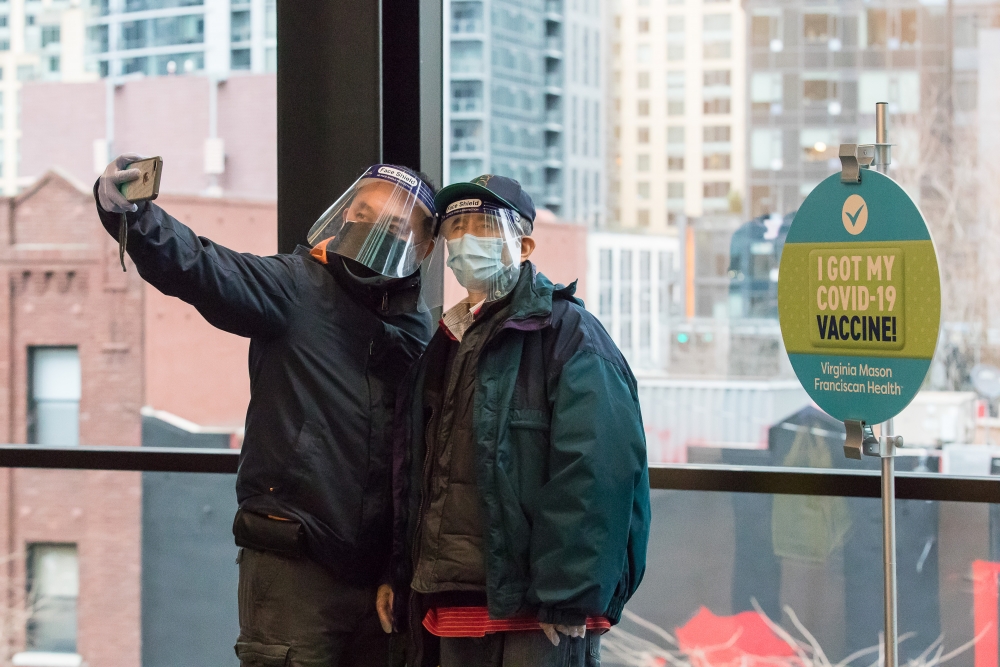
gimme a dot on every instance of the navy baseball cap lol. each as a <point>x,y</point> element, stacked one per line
<point>497,189</point>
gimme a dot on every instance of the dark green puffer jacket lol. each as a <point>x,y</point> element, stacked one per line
<point>560,457</point>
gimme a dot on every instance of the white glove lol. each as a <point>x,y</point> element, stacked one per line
<point>552,631</point>
<point>108,195</point>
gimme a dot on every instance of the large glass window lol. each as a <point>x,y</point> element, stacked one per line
<point>54,403</point>
<point>795,560</point>
<point>53,587</point>
<point>239,26</point>
<point>178,30</point>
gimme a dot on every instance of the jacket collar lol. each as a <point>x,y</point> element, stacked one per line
<point>394,297</point>
<point>531,300</point>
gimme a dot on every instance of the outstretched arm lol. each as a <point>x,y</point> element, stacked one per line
<point>243,294</point>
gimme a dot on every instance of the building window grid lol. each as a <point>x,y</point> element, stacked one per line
<point>645,301</point>
<point>53,396</point>
<point>606,276</point>
<point>625,304</point>
<point>52,586</point>
<point>239,26</point>
<point>675,93</point>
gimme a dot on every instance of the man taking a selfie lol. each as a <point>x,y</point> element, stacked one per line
<point>333,328</point>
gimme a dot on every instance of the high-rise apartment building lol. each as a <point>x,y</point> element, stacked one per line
<point>816,72</point>
<point>678,95</point>
<point>38,41</point>
<point>82,40</point>
<point>155,37</point>
<point>525,99</point>
<point>815,75</point>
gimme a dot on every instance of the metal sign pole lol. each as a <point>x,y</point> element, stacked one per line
<point>861,441</point>
<point>889,542</point>
<point>883,157</point>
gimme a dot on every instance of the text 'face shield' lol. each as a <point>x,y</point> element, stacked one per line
<point>385,221</point>
<point>484,247</point>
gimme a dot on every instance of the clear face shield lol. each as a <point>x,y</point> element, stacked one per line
<point>385,222</point>
<point>484,247</point>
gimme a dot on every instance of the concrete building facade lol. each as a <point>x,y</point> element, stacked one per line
<point>678,94</point>
<point>815,73</point>
<point>65,125</point>
<point>39,40</point>
<point>524,99</point>
<point>636,291</point>
<point>157,37</point>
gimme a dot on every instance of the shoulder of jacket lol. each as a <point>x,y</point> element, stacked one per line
<point>576,329</point>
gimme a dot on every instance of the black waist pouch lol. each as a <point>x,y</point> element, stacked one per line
<point>280,536</point>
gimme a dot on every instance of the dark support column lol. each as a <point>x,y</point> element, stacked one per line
<point>432,93</point>
<point>432,138</point>
<point>329,123</point>
<point>343,68</point>
<point>401,82</point>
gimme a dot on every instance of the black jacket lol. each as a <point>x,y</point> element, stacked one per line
<point>326,355</point>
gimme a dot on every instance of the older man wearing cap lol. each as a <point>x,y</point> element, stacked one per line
<point>520,482</point>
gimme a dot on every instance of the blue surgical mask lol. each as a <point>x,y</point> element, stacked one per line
<point>478,265</point>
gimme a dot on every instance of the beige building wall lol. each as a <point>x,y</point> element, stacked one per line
<point>678,111</point>
<point>40,41</point>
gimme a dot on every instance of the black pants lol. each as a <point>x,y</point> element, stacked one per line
<point>521,649</point>
<point>294,614</point>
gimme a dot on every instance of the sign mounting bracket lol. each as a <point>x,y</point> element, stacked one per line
<point>854,158</point>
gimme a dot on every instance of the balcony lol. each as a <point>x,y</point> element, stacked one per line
<point>554,46</point>
<point>471,145</point>
<point>554,82</point>
<point>466,105</point>
<point>467,66</point>
<point>554,120</point>
<point>466,26</point>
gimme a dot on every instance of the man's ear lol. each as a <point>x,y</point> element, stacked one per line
<point>430,249</point>
<point>527,247</point>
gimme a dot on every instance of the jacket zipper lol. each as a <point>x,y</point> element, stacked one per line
<point>423,495</point>
<point>385,301</point>
<point>415,552</point>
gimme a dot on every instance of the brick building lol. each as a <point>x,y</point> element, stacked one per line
<point>77,535</point>
<point>66,291</point>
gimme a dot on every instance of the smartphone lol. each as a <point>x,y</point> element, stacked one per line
<point>147,186</point>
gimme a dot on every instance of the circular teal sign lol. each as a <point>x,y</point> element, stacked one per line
<point>859,297</point>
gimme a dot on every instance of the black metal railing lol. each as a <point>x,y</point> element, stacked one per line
<point>737,479</point>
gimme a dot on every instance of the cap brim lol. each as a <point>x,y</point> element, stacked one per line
<point>455,191</point>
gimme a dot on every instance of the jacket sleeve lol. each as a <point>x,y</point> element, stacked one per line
<point>591,519</point>
<point>243,294</point>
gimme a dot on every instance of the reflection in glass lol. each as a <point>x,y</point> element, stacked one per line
<point>54,399</point>
<point>53,586</point>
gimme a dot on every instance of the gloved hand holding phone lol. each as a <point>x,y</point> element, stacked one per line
<point>110,197</point>
<point>128,179</point>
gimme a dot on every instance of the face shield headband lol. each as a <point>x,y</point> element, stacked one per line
<point>484,247</point>
<point>385,221</point>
